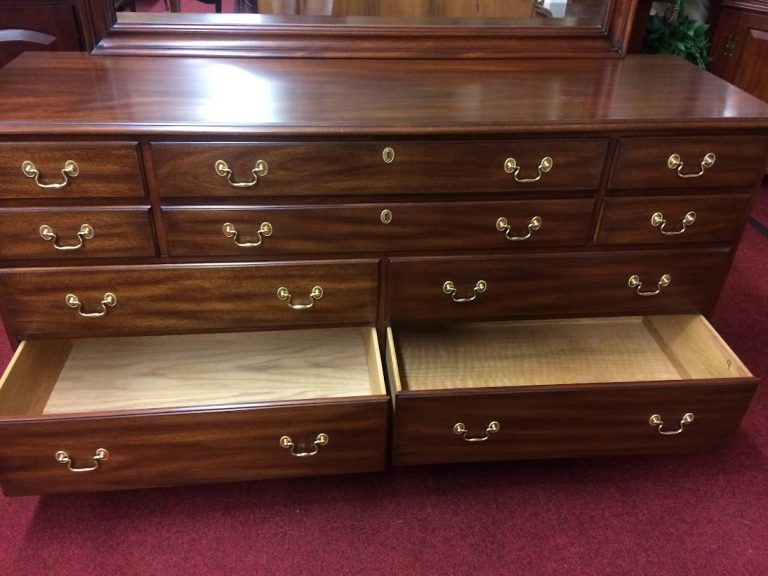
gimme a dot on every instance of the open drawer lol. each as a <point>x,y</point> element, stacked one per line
<point>130,412</point>
<point>577,387</point>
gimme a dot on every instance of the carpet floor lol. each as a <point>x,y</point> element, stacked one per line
<point>703,513</point>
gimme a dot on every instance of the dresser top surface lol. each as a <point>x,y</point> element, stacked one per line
<point>50,93</point>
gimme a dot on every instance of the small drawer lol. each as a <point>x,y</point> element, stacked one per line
<point>262,230</point>
<point>700,162</point>
<point>70,170</point>
<point>299,169</point>
<point>672,219</point>
<point>27,233</point>
<point>115,413</point>
<point>567,284</point>
<point>180,298</point>
<point>581,387</point>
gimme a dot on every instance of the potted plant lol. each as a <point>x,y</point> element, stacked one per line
<point>674,32</point>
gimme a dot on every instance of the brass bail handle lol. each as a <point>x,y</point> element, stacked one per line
<point>656,421</point>
<point>461,429</point>
<point>450,288</point>
<point>634,282</point>
<point>674,162</point>
<point>658,221</point>
<point>71,169</point>
<point>100,456</point>
<point>260,168</point>
<point>502,225</point>
<point>109,299</point>
<point>511,167</point>
<point>320,440</point>
<point>229,230</point>
<point>86,232</point>
<point>315,294</point>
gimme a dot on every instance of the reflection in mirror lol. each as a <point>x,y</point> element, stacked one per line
<point>417,12</point>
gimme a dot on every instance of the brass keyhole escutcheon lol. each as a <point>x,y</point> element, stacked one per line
<point>386,216</point>
<point>388,155</point>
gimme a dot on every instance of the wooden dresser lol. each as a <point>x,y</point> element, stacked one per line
<point>211,264</point>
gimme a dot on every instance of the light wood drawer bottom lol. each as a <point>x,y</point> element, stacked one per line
<point>190,409</point>
<point>563,388</point>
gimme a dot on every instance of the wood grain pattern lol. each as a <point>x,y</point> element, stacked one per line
<point>331,98</point>
<point>719,218</point>
<point>642,162</point>
<point>107,169</point>
<point>551,284</point>
<point>317,229</point>
<point>172,299</point>
<point>118,232</point>
<point>358,168</point>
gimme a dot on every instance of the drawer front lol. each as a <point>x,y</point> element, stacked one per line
<point>672,220</point>
<point>189,169</point>
<point>375,227</point>
<point>103,169</point>
<point>553,284</point>
<point>192,447</point>
<point>562,422</point>
<point>645,162</point>
<point>75,233</point>
<point>187,298</point>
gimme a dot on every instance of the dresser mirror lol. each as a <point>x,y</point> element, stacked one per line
<point>370,28</point>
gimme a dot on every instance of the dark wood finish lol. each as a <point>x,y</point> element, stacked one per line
<point>578,420</point>
<point>740,45</point>
<point>107,169</point>
<point>192,446</point>
<point>642,162</point>
<point>274,36</point>
<point>358,167</point>
<point>188,298</point>
<point>413,227</point>
<point>118,232</point>
<point>533,285</point>
<point>628,220</point>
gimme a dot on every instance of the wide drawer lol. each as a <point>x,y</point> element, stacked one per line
<point>563,388</point>
<point>672,220</point>
<point>258,230</point>
<point>70,170</point>
<point>121,300</point>
<point>113,413</point>
<point>566,284</point>
<point>190,169</point>
<point>698,162</point>
<point>75,233</point>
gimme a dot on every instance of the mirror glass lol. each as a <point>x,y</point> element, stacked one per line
<point>473,13</point>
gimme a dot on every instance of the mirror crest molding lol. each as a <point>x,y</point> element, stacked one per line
<point>256,36</point>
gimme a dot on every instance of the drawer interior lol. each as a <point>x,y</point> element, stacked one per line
<point>138,373</point>
<point>572,351</point>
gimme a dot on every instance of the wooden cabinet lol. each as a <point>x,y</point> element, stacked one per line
<point>740,45</point>
<point>534,243</point>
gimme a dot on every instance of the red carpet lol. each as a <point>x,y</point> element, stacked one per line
<point>703,513</point>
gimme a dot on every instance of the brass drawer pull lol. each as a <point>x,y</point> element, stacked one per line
<point>503,226</point>
<point>259,169</point>
<point>265,229</point>
<point>321,440</point>
<point>675,163</point>
<point>634,282</point>
<point>100,456</point>
<point>86,233</point>
<point>388,155</point>
<point>70,169</point>
<point>461,429</point>
<point>108,300</point>
<point>511,167</point>
<point>450,289</point>
<point>658,423</point>
<point>315,295</point>
<point>657,220</point>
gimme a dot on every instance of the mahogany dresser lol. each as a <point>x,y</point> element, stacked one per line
<point>210,264</point>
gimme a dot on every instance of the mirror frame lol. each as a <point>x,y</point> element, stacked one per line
<point>208,37</point>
